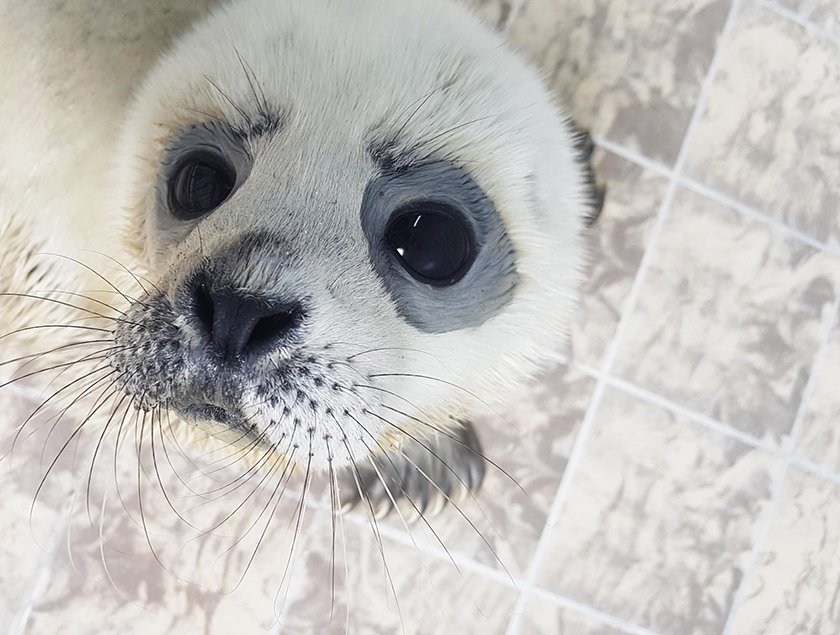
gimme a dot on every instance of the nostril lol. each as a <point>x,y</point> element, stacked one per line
<point>268,327</point>
<point>203,306</point>
<point>236,322</point>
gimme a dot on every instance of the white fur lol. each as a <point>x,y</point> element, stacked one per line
<point>342,69</point>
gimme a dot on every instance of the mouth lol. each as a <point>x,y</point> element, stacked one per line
<point>307,403</point>
<point>203,412</point>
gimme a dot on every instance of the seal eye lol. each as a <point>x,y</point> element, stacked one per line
<point>199,186</point>
<point>433,241</point>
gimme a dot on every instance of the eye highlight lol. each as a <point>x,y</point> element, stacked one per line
<point>200,184</point>
<point>433,241</point>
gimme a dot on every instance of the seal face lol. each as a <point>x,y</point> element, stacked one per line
<point>362,221</point>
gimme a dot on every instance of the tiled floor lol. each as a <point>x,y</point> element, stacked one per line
<point>681,461</point>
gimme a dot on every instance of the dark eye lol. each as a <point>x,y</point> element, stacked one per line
<point>199,186</point>
<point>433,241</point>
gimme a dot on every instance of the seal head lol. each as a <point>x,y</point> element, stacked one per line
<point>362,220</point>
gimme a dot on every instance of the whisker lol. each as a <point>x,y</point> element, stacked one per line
<point>246,475</point>
<point>242,504</point>
<point>347,585</point>
<point>444,494</point>
<point>19,431</point>
<point>55,326</point>
<point>224,95</point>
<point>333,511</point>
<point>98,446</point>
<point>398,348</point>
<point>83,296</point>
<point>157,472</point>
<point>302,510</point>
<point>357,477</point>
<point>43,404</point>
<point>422,101</point>
<point>127,270</point>
<point>455,439</point>
<point>59,455</point>
<point>9,294</point>
<point>166,452</point>
<point>441,431</point>
<point>139,448</point>
<point>408,530</point>
<point>94,272</point>
<point>118,446</point>
<point>261,101</point>
<point>448,383</point>
<point>423,142</point>
<point>139,474</point>
<point>268,521</point>
<point>102,544</point>
<point>34,357</point>
<point>400,480</point>
<point>464,516</point>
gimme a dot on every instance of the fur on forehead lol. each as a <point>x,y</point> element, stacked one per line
<point>344,77</point>
<point>347,82</point>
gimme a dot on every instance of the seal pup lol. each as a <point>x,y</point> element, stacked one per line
<point>361,223</point>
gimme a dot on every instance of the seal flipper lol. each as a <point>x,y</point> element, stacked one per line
<point>422,477</point>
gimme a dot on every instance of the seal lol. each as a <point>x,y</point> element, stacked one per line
<point>358,223</point>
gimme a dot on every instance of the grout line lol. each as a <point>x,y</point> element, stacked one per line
<point>696,417</point>
<point>633,156</point>
<point>752,212</point>
<point>583,609</point>
<point>556,508</point>
<point>813,469</point>
<point>801,463</point>
<point>399,536</point>
<point>790,460</point>
<point>805,23</point>
<point>689,183</point>
<point>666,404</point>
<point>588,420</point>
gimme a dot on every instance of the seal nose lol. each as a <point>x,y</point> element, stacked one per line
<point>237,323</point>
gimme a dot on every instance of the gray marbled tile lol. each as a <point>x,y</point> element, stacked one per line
<point>531,441</point>
<point>125,568</point>
<point>494,13</point>
<point>616,246</point>
<point>416,593</point>
<point>823,13</point>
<point>729,317</point>
<point>819,439</point>
<point>546,618</point>
<point>628,69</point>
<point>36,489</point>
<point>770,132</point>
<point>795,585</point>
<point>658,523</point>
